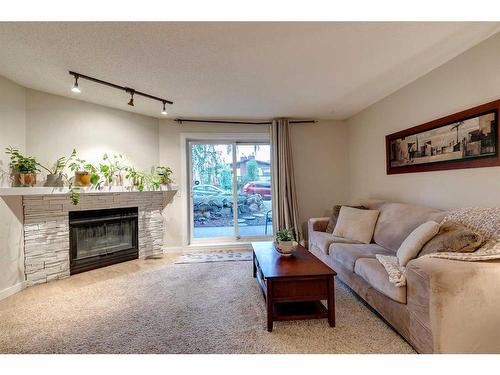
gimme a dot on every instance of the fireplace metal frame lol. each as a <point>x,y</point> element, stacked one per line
<point>86,218</point>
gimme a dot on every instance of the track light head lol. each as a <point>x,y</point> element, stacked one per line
<point>75,87</point>
<point>164,112</point>
<point>131,101</point>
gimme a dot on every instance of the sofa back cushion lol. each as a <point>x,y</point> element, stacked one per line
<point>335,216</point>
<point>412,245</point>
<point>356,224</point>
<point>397,220</point>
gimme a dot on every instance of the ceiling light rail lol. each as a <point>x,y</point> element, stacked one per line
<point>128,90</point>
<point>181,120</point>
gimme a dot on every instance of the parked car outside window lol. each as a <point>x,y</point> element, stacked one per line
<point>208,190</point>
<point>263,188</point>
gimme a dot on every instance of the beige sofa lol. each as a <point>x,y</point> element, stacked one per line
<point>448,306</point>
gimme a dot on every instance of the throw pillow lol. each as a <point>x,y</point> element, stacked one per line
<point>335,216</point>
<point>412,245</point>
<point>356,224</point>
<point>453,237</point>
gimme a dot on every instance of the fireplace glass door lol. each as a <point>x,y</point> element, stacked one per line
<point>102,237</point>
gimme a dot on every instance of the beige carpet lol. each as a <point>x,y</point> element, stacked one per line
<point>155,306</point>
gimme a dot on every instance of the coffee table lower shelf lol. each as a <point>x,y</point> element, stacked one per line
<point>299,310</point>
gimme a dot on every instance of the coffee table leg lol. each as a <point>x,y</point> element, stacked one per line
<point>331,302</point>
<point>269,302</point>
<point>254,266</point>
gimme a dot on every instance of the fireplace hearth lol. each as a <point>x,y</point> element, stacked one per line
<point>100,238</point>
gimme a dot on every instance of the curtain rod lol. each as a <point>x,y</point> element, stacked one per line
<point>181,120</point>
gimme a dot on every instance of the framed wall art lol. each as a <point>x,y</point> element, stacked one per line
<point>467,139</point>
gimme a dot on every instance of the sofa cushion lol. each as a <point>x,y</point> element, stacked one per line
<point>412,245</point>
<point>335,216</point>
<point>323,240</point>
<point>356,224</point>
<point>396,221</point>
<point>375,274</point>
<point>347,254</point>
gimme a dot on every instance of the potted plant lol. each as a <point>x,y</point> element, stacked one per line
<point>112,169</point>
<point>55,178</point>
<point>165,174</point>
<point>136,178</point>
<point>85,173</point>
<point>23,168</point>
<point>141,180</point>
<point>285,242</point>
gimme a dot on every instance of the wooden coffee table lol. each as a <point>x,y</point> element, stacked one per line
<point>293,286</point>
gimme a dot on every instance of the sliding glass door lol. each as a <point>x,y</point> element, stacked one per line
<point>230,191</point>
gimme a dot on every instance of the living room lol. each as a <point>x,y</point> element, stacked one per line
<point>177,187</point>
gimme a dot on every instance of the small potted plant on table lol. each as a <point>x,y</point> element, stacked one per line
<point>23,168</point>
<point>285,242</point>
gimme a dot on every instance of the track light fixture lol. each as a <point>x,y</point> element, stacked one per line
<point>128,90</point>
<point>131,101</point>
<point>75,87</point>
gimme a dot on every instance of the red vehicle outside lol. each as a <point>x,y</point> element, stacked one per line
<point>258,187</point>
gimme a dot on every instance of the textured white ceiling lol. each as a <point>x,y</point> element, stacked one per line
<point>234,70</point>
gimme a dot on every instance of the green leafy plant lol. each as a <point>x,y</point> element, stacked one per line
<point>142,180</point>
<point>20,163</point>
<point>79,165</point>
<point>112,167</point>
<point>252,172</point>
<point>60,164</point>
<point>137,178</point>
<point>165,174</point>
<point>285,235</point>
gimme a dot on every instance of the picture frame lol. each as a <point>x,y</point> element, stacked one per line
<point>466,139</point>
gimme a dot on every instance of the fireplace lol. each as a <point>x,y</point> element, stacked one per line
<point>99,238</point>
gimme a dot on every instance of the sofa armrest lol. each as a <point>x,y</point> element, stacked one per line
<point>455,304</point>
<point>317,224</point>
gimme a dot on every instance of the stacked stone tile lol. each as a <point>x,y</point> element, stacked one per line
<point>46,228</point>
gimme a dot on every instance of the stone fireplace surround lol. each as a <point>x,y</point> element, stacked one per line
<point>46,227</point>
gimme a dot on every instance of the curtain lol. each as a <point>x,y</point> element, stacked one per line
<point>285,210</point>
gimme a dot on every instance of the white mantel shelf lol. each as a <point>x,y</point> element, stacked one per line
<point>13,191</point>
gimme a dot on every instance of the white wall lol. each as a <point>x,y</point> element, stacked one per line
<point>55,125</point>
<point>320,163</point>
<point>470,79</point>
<point>12,132</point>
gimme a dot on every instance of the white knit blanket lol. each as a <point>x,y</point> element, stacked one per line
<point>394,270</point>
<point>485,221</point>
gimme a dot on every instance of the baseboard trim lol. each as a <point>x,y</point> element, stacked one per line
<point>12,290</point>
<point>206,247</point>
